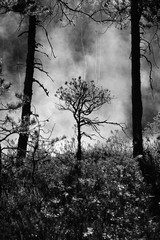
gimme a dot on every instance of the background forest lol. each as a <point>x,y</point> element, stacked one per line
<point>79,120</point>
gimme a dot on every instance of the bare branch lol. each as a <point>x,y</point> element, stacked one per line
<point>42,70</point>
<point>41,85</point>
<point>47,36</point>
<point>21,34</point>
<point>150,71</point>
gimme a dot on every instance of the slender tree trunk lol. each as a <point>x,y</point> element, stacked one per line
<point>79,152</point>
<point>0,172</point>
<point>79,148</point>
<point>28,88</point>
<point>136,80</point>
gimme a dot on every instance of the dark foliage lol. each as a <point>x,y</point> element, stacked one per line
<point>109,200</point>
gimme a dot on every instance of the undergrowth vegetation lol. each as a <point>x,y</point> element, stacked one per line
<point>46,198</point>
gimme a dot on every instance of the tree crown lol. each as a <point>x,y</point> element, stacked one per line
<point>82,97</point>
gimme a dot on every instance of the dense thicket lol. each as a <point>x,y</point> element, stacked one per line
<point>109,201</point>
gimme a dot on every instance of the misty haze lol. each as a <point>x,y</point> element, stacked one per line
<point>79,119</point>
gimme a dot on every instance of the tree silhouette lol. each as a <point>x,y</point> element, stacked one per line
<point>136,79</point>
<point>33,10</point>
<point>82,98</point>
<point>141,16</point>
<point>28,85</point>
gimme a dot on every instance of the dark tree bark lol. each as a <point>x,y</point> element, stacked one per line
<point>79,150</point>
<point>79,147</point>
<point>0,171</point>
<point>137,109</point>
<point>28,88</point>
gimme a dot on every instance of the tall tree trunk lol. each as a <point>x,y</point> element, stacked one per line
<point>0,171</point>
<point>28,88</point>
<point>136,80</point>
<point>79,148</point>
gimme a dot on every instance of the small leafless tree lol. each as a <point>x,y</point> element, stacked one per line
<point>82,98</point>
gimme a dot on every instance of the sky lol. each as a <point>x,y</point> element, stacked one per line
<point>85,49</point>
